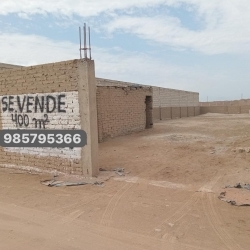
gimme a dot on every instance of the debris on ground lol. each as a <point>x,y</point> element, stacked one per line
<point>238,185</point>
<point>102,169</point>
<point>118,171</point>
<point>55,183</point>
<point>74,181</point>
<point>237,195</point>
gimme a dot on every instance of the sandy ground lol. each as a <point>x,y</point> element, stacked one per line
<point>169,200</point>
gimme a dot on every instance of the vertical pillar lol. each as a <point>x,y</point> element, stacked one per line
<point>88,113</point>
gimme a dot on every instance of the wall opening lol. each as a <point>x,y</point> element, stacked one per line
<point>149,111</point>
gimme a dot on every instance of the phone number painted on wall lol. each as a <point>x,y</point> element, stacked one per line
<point>43,138</point>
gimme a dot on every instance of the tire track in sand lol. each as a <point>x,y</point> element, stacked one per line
<point>164,227</point>
<point>112,205</point>
<point>216,222</point>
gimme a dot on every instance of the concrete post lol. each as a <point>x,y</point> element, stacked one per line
<point>88,113</point>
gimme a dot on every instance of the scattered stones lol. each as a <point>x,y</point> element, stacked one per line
<point>237,195</point>
<point>232,203</point>
<point>118,171</point>
<point>238,185</point>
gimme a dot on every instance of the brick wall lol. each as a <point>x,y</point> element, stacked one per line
<point>114,83</point>
<point>226,107</point>
<point>172,103</point>
<point>121,110</point>
<point>35,92</point>
<point>242,102</point>
<point>8,66</point>
<point>167,103</point>
<point>244,109</point>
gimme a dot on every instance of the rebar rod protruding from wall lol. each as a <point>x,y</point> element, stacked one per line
<point>85,41</point>
<point>80,38</point>
<point>85,48</point>
<point>89,46</point>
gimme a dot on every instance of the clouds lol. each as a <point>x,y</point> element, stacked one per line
<point>193,45</point>
<point>225,26</point>
<point>110,63</point>
<point>82,8</point>
<point>32,49</point>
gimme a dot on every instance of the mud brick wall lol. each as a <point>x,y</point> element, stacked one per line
<point>8,66</point>
<point>197,111</point>
<point>107,82</point>
<point>226,107</point>
<point>244,109</point>
<point>191,111</point>
<point>176,112</point>
<point>121,110</point>
<point>56,87</point>
<point>172,103</point>
<point>184,111</point>
<point>167,103</point>
<point>242,102</point>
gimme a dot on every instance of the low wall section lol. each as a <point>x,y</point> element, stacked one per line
<point>172,103</point>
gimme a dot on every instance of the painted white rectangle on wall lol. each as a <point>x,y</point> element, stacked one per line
<point>59,110</point>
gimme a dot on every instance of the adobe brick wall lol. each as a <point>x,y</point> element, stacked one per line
<point>184,111</point>
<point>121,110</point>
<point>197,110</point>
<point>244,109</point>
<point>167,103</point>
<point>226,107</point>
<point>107,82</point>
<point>165,113</point>
<point>157,113</point>
<point>242,102</point>
<point>70,80</point>
<point>165,97</point>
<point>176,112</point>
<point>172,103</point>
<point>8,66</point>
<point>191,111</point>
<point>233,110</point>
<point>214,109</point>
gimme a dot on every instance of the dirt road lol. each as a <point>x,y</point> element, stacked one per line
<point>167,201</point>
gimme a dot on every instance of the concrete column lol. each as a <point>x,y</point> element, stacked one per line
<point>88,113</point>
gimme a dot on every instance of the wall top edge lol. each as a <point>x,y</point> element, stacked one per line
<point>125,87</point>
<point>45,65</point>
<point>177,90</point>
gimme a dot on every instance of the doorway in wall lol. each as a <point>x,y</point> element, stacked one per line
<point>149,111</point>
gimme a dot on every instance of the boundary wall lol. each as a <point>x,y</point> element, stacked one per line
<point>167,103</point>
<point>65,93</point>
<point>172,103</point>
<point>226,107</point>
<point>122,110</point>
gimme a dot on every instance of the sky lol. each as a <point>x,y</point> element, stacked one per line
<point>193,45</point>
